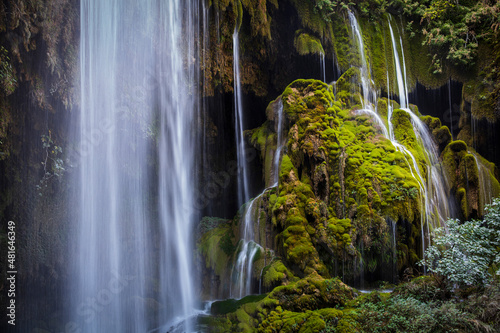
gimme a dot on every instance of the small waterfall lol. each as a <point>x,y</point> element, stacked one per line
<point>432,183</point>
<point>367,87</point>
<point>243,190</point>
<point>368,90</point>
<point>485,188</point>
<point>400,80</point>
<point>248,248</point>
<point>336,68</point>
<point>322,66</point>
<point>394,251</point>
<point>279,144</point>
<point>435,186</point>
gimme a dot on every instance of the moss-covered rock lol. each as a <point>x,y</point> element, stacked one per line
<point>216,248</point>
<point>306,305</point>
<point>472,178</point>
<point>307,44</point>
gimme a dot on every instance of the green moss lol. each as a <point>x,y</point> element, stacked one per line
<point>231,305</point>
<point>275,274</point>
<point>217,247</point>
<point>286,166</point>
<point>457,146</point>
<point>307,44</point>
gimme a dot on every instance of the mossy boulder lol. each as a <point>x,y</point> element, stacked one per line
<point>312,292</point>
<point>307,305</point>
<point>216,248</point>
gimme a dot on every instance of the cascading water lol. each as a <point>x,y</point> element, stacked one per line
<point>242,271</point>
<point>369,93</point>
<point>243,191</point>
<point>133,232</point>
<point>367,88</point>
<point>322,67</point>
<point>279,144</point>
<point>243,268</point>
<point>485,186</point>
<point>433,188</point>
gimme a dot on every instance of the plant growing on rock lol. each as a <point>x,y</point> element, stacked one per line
<point>53,165</point>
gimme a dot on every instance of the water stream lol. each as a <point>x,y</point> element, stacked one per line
<point>243,177</point>
<point>242,273</point>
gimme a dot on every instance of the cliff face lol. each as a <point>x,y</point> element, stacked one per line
<point>38,61</point>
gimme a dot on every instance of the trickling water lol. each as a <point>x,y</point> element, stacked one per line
<point>394,251</point>
<point>243,191</point>
<point>435,186</point>
<point>485,188</point>
<point>336,68</point>
<point>279,144</point>
<point>369,93</point>
<point>242,270</point>
<point>323,67</point>
<point>133,232</point>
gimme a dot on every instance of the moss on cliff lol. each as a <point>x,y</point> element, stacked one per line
<point>307,44</point>
<point>469,173</point>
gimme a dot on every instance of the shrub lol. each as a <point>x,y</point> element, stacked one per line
<point>407,314</point>
<point>466,253</point>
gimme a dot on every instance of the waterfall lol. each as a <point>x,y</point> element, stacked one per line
<point>243,191</point>
<point>432,184</point>
<point>434,189</point>
<point>279,144</point>
<point>485,186</point>
<point>394,251</point>
<point>248,247</point>
<point>367,87</point>
<point>322,66</point>
<point>369,93</point>
<point>400,80</point>
<point>243,268</point>
<point>133,247</point>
